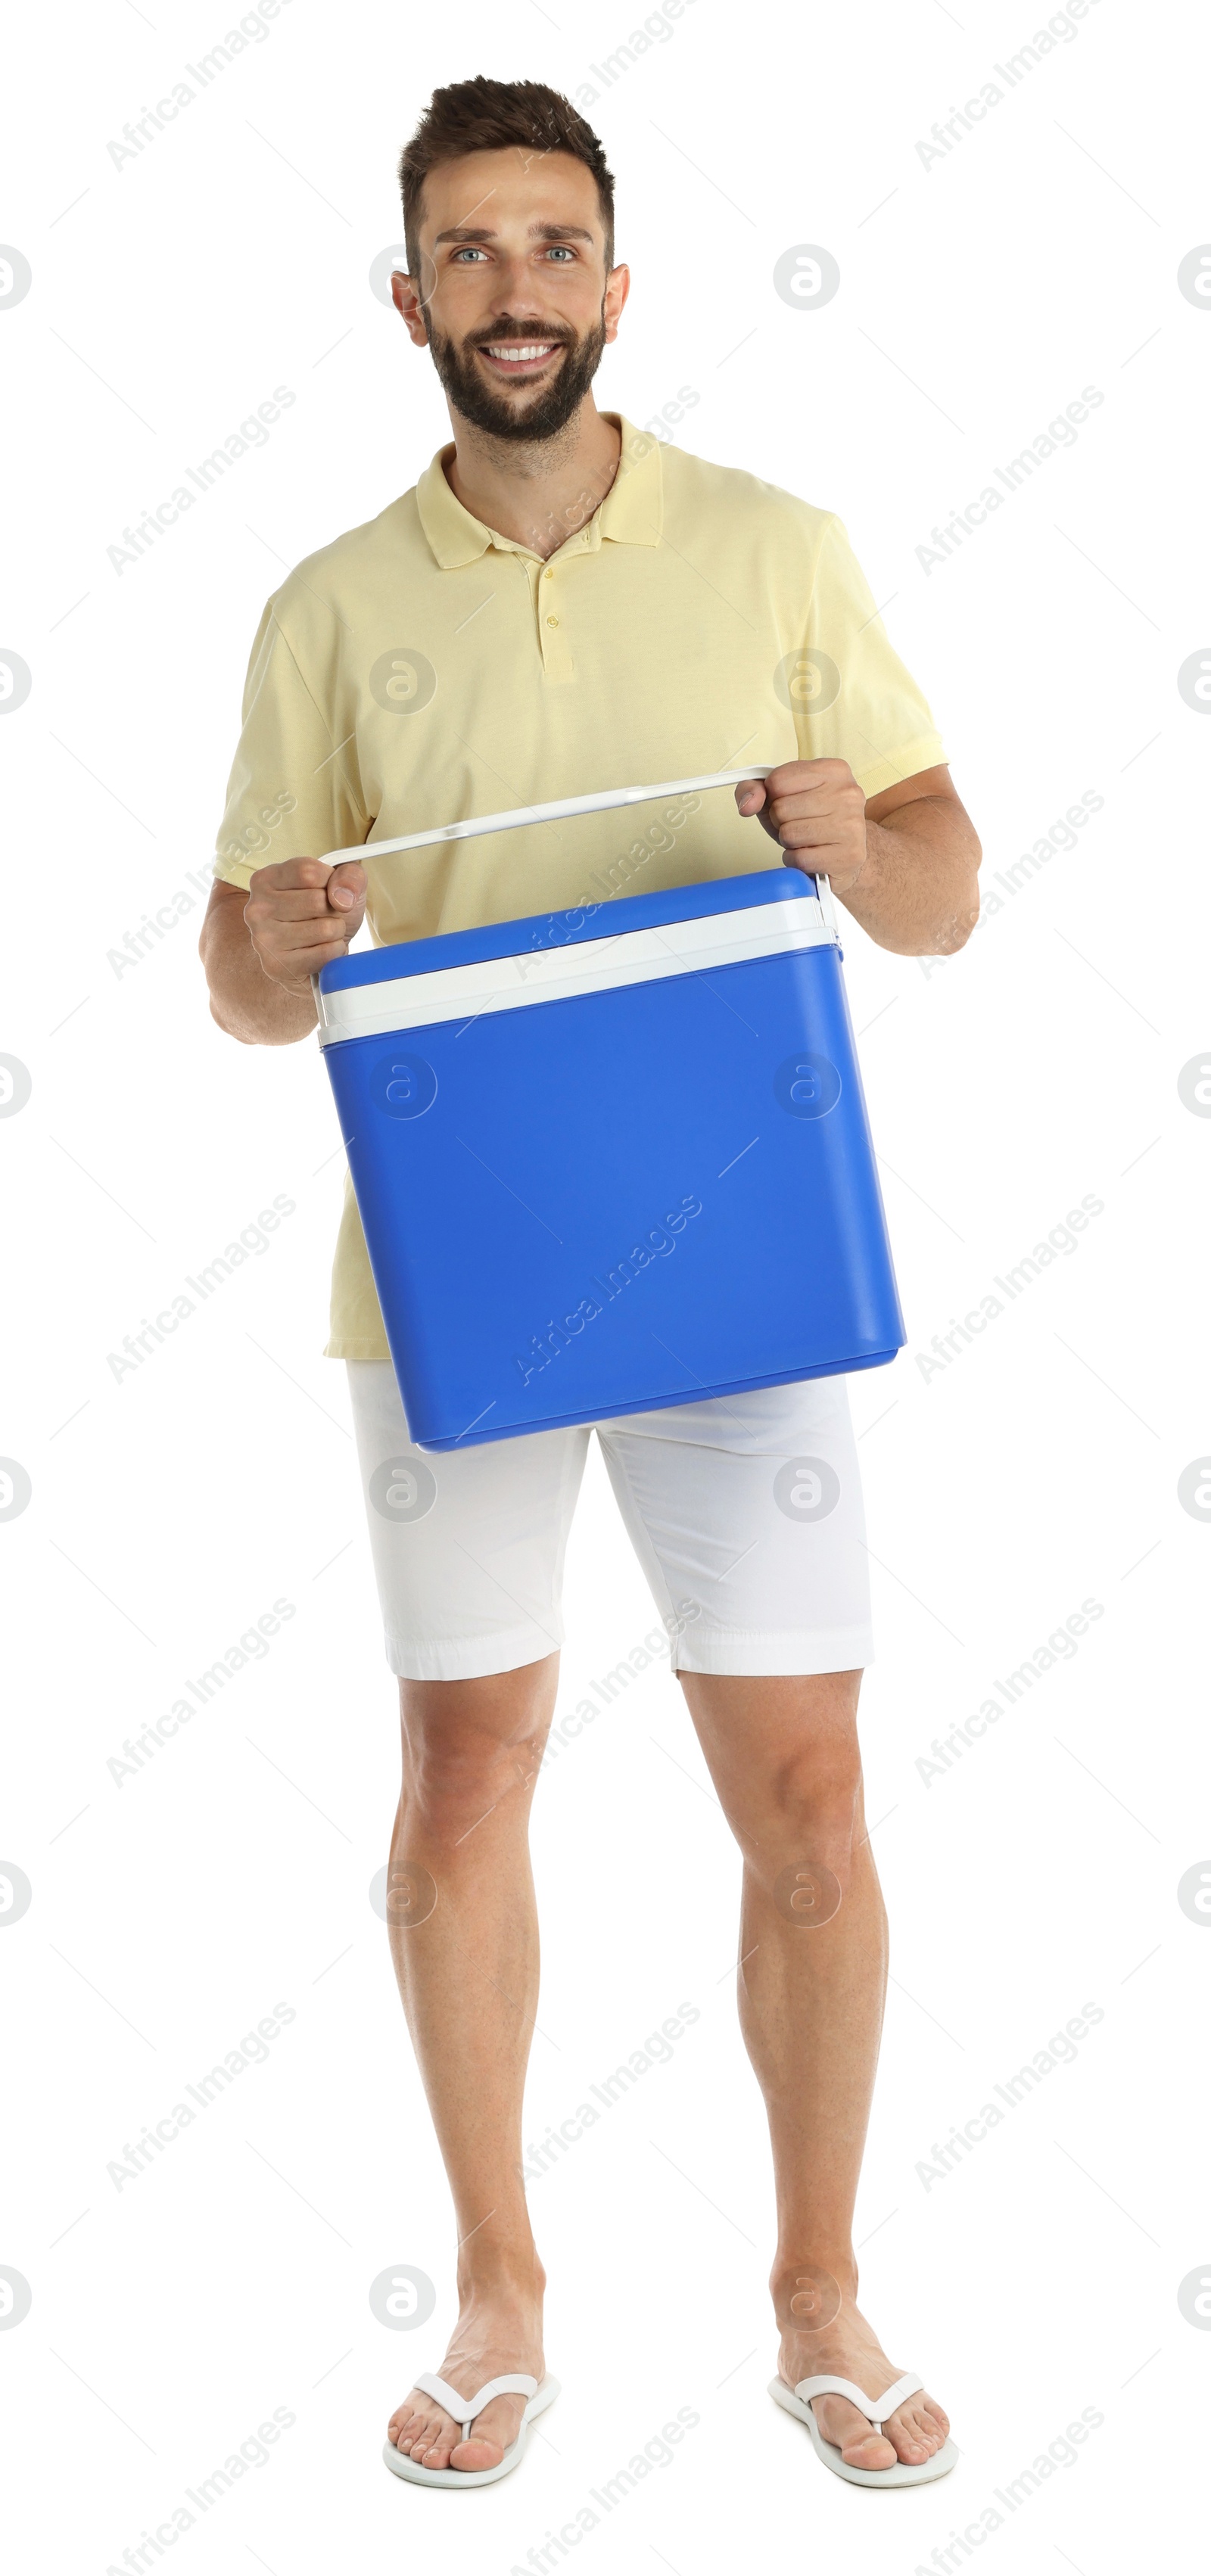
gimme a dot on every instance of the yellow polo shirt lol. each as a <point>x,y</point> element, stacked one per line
<point>422,669</point>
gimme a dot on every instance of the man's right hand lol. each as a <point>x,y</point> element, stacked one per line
<point>301,914</point>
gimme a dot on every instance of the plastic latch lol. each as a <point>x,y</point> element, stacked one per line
<point>824,895</point>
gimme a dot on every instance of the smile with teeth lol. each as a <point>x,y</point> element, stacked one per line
<point>519,353</point>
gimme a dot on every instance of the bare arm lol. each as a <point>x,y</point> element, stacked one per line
<point>261,949</point>
<point>904,863</point>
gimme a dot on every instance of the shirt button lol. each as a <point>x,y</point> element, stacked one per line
<point>548,576</point>
<point>552,621</point>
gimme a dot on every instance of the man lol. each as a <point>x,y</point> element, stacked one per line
<point>561,605</point>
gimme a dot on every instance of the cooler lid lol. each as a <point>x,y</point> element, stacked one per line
<point>553,930</point>
<point>465,975</point>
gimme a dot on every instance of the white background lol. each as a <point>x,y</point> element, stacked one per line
<point>979,294</point>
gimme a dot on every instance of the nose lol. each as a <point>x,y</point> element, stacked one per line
<point>517,287</point>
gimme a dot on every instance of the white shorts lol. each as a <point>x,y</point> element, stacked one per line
<point>745,1513</point>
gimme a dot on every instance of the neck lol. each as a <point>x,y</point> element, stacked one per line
<point>538,492</point>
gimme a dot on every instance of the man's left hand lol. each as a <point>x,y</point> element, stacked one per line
<point>816,810</point>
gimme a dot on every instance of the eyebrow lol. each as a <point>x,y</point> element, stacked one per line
<point>538,232</point>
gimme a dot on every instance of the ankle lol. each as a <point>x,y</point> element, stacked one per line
<point>501,2277</point>
<point>810,2292</point>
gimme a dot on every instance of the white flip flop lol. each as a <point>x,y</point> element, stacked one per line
<point>513,2383</point>
<point>877,2409</point>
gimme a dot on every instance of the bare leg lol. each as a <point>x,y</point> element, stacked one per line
<point>464,1939</point>
<point>783,1755</point>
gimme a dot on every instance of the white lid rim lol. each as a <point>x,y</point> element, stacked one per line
<point>495,985</point>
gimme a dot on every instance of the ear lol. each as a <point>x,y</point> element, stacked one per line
<point>411,306</point>
<point>618,287</point>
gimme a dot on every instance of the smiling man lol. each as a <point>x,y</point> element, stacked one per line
<point>561,605</point>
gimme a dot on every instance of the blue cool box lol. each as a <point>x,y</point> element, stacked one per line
<point>612,1159</point>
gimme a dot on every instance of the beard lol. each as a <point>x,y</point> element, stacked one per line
<point>486,410</point>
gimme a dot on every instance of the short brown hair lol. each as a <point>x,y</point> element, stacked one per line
<point>483,115</point>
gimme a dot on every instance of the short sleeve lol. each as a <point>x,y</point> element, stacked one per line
<point>294,791</point>
<point>854,699</point>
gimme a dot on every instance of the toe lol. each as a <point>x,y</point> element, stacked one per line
<point>491,2435</point>
<point>860,2447</point>
<point>914,2437</point>
<point>478,2453</point>
<point>407,2423</point>
<point>868,2451</point>
<point>431,2437</point>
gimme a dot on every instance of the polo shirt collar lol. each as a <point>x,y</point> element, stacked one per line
<point>630,514</point>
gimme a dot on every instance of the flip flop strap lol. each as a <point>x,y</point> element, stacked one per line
<point>877,2409</point>
<point>511,2383</point>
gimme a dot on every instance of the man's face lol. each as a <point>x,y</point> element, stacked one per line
<point>514,301</point>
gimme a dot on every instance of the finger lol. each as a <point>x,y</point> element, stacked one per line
<point>290,874</point>
<point>287,904</point>
<point>308,961</point>
<point>750,796</point>
<point>795,822</point>
<point>347,885</point>
<point>793,774</point>
<point>286,948</point>
<point>807,827</point>
<point>822,796</point>
<point>804,847</point>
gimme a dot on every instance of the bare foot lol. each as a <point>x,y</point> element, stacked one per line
<point>848,2349</point>
<point>498,2332</point>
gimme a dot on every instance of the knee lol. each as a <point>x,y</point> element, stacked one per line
<point>454,1787</point>
<point>812,1818</point>
<point>459,1767</point>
